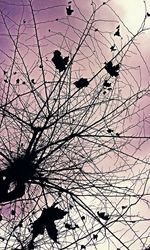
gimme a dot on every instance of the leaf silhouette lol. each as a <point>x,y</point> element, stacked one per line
<point>112,48</point>
<point>103,216</point>
<point>147,248</point>
<point>117,33</point>
<point>70,227</point>
<point>59,61</point>
<point>65,60</point>
<point>69,10</point>
<point>13,212</point>
<point>32,80</point>
<point>55,213</point>
<point>46,221</point>
<point>38,227</point>
<point>81,83</point>
<point>124,207</point>
<point>95,236</point>
<point>106,84</point>
<point>52,230</point>
<point>83,217</point>
<point>109,130</point>
<point>112,70</point>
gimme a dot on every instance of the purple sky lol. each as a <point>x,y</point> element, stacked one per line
<point>65,33</point>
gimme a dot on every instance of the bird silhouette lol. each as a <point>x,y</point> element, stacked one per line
<point>59,61</point>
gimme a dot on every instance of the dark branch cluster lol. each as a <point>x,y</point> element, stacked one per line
<point>19,171</point>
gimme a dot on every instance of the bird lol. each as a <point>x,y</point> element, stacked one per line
<point>59,61</point>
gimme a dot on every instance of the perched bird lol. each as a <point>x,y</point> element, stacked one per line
<point>59,61</point>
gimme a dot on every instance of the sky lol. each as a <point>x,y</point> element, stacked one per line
<point>56,30</point>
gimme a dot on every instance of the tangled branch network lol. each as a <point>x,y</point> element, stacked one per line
<point>74,127</point>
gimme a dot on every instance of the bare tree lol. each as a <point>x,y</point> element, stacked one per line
<point>74,117</point>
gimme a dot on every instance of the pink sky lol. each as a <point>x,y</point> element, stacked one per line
<point>64,34</point>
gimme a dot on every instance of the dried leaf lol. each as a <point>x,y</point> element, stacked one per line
<point>112,70</point>
<point>81,83</point>
<point>117,33</point>
<point>59,61</point>
<point>83,217</point>
<point>109,130</point>
<point>54,213</point>
<point>124,207</point>
<point>106,84</point>
<point>113,48</point>
<point>69,10</point>
<point>95,236</point>
<point>38,227</point>
<point>103,216</point>
<point>52,231</point>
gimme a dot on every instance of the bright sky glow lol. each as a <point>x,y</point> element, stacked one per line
<point>133,12</point>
